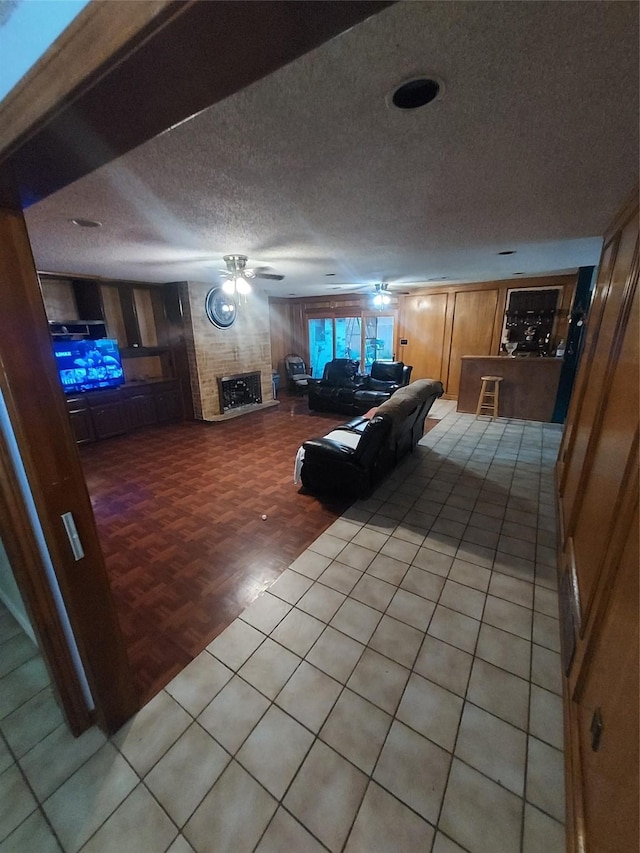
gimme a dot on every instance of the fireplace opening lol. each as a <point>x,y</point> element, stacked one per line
<point>242,389</point>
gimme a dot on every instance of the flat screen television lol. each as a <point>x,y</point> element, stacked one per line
<point>88,365</point>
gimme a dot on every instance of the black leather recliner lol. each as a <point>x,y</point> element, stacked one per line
<point>388,376</point>
<point>343,389</point>
<point>355,456</point>
<point>332,465</point>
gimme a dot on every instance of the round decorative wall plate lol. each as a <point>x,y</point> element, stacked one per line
<point>221,308</point>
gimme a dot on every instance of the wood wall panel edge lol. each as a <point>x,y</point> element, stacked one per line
<point>592,321</point>
<point>616,469</point>
<point>608,713</point>
<point>605,271</point>
<point>608,340</point>
<point>590,634</point>
<point>602,806</point>
<point>610,298</point>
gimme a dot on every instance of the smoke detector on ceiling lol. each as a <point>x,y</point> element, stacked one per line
<point>416,92</point>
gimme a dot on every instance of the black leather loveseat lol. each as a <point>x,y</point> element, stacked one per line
<point>342,389</point>
<point>355,456</point>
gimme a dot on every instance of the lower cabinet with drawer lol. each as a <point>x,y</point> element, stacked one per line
<point>140,410</point>
<point>103,414</point>
<point>81,422</point>
<point>107,414</point>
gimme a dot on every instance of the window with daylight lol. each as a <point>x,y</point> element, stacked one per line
<point>320,344</point>
<point>348,337</point>
<point>378,338</point>
<point>365,339</point>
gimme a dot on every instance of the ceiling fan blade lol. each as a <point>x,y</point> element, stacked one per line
<point>268,275</point>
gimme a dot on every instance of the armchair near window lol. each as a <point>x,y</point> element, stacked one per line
<point>342,389</point>
<point>388,376</point>
<point>297,375</point>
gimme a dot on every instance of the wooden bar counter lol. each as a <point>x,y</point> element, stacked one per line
<point>528,388</point>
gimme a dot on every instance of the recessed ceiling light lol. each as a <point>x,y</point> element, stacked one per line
<point>518,273</point>
<point>329,273</point>
<point>438,278</point>
<point>86,223</point>
<point>508,252</point>
<point>416,93</point>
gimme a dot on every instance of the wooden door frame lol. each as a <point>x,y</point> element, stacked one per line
<point>119,76</point>
<point>37,412</point>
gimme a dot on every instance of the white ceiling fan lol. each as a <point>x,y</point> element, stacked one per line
<point>381,292</point>
<point>238,276</point>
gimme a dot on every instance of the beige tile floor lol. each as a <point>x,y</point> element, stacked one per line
<point>396,689</point>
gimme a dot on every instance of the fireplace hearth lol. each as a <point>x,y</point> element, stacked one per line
<point>242,389</point>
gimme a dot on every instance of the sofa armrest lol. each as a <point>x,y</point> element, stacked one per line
<point>327,447</point>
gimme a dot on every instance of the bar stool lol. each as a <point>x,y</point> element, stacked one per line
<point>489,396</point>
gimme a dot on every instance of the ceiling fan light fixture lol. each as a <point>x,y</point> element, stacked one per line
<point>238,273</point>
<point>229,286</point>
<point>381,299</point>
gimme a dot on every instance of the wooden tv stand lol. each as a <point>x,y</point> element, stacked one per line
<point>102,414</point>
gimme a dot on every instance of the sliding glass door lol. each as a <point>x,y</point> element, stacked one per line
<point>320,344</point>
<point>378,340</point>
<point>364,339</point>
<point>348,337</point>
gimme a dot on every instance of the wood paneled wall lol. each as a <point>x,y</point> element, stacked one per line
<point>597,477</point>
<point>440,324</point>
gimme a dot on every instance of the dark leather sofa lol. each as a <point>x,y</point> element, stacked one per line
<point>355,456</point>
<point>342,389</point>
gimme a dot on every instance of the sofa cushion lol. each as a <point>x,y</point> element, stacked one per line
<point>367,399</point>
<point>347,437</point>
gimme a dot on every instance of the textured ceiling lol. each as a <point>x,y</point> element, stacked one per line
<point>532,147</point>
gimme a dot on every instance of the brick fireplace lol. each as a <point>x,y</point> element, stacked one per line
<point>235,392</point>
<point>216,354</point>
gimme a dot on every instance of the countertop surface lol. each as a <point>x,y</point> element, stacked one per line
<point>534,358</point>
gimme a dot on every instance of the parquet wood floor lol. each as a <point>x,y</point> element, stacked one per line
<point>179,513</point>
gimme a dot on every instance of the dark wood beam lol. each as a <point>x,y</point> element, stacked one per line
<point>190,56</point>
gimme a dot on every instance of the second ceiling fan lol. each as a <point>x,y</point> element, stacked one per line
<point>382,295</point>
